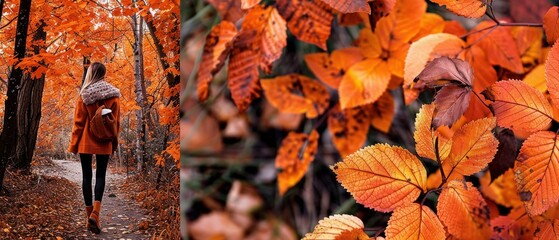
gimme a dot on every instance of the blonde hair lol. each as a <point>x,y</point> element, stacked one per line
<point>95,73</point>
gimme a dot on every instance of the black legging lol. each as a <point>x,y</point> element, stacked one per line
<point>87,174</point>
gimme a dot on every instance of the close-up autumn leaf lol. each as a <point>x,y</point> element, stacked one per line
<point>369,119</point>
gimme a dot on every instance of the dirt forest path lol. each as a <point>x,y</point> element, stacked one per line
<point>120,217</point>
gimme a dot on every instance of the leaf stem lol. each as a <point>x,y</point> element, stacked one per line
<point>481,100</point>
<point>443,177</point>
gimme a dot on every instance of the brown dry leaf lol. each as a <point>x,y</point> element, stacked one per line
<point>551,25</point>
<point>230,10</point>
<point>349,6</point>
<point>506,153</point>
<point>308,20</point>
<point>466,8</point>
<point>499,45</point>
<point>349,128</point>
<point>453,99</point>
<point>294,157</point>
<point>272,229</point>
<point>200,132</point>
<point>215,225</point>
<point>282,92</point>
<point>428,48</point>
<point>216,50</point>
<point>330,69</point>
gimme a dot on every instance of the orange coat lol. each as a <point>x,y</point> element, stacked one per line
<point>81,141</point>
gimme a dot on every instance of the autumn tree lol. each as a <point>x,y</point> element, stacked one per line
<point>29,106</point>
<point>10,131</point>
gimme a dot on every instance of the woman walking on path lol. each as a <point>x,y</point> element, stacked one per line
<point>95,131</point>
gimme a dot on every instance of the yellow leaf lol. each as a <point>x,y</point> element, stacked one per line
<point>382,177</point>
<point>338,227</point>
<point>364,83</point>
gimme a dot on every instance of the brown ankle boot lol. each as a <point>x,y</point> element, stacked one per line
<point>94,223</point>
<point>88,210</point>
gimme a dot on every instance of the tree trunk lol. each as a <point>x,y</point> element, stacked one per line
<point>172,80</point>
<point>9,131</point>
<point>140,91</point>
<point>29,109</point>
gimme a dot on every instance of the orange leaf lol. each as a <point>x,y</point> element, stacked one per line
<point>414,221</point>
<point>338,227</point>
<point>229,10</point>
<point>529,44</point>
<point>484,76</point>
<point>382,112</point>
<point>551,25</point>
<point>259,43</point>
<point>382,177</point>
<point>463,211</point>
<point>502,190</point>
<point>308,20</point>
<point>218,46</point>
<point>282,94</point>
<point>552,74</point>
<point>466,8</point>
<point>535,172</point>
<point>349,128</point>
<point>291,167</point>
<point>430,23</point>
<point>425,136</point>
<point>331,69</point>
<point>536,78</point>
<point>349,6</point>
<point>519,106</point>
<point>380,9</point>
<point>364,83</point>
<point>401,25</point>
<point>428,48</point>
<point>473,146</point>
<point>454,27</point>
<point>246,4</point>
<point>547,229</point>
<point>499,45</point>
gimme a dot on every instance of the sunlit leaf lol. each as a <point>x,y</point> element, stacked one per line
<point>382,177</point>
